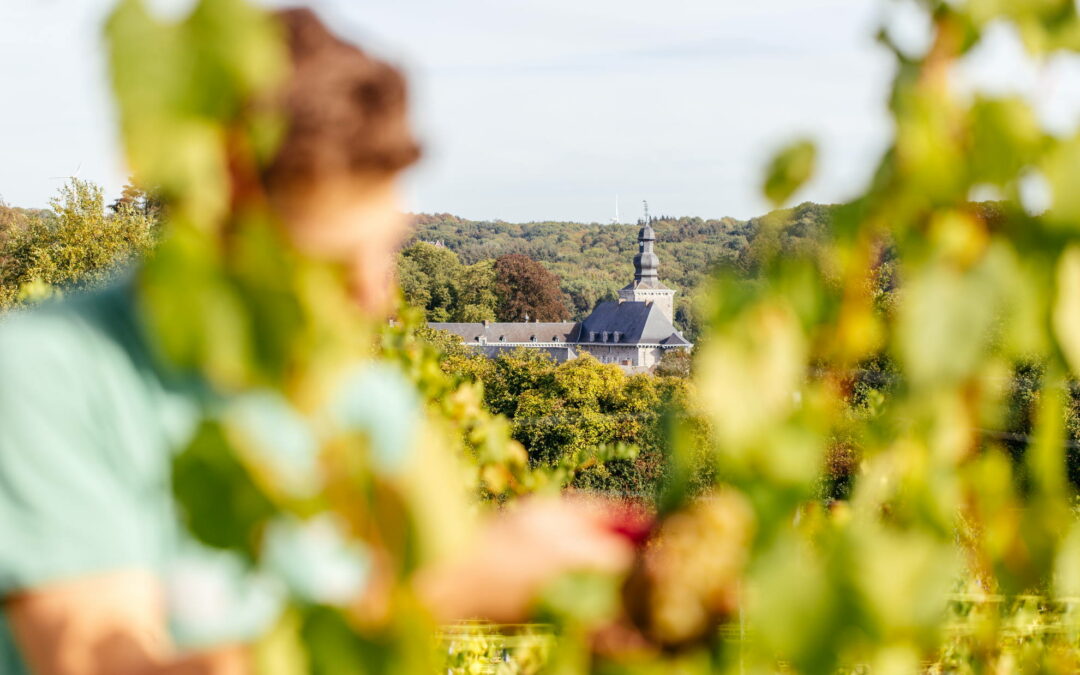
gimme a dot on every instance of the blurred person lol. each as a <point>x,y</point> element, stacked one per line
<point>89,422</point>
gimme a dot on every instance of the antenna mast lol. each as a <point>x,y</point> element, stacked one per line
<point>646,203</point>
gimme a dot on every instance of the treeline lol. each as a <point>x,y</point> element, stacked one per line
<point>78,242</point>
<point>509,288</point>
<point>593,261</point>
<point>581,254</point>
<point>544,271</point>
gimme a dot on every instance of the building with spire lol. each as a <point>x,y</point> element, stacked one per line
<point>646,286</point>
<point>633,332</point>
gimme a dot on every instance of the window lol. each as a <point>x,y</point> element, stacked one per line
<point>532,338</point>
<point>502,338</point>
<point>605,336</point>
<point>592,336</point>
<point>616,336</point>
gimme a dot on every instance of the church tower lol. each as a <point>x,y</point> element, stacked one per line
<point>646,286</point>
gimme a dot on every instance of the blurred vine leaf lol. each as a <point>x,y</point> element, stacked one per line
<point>178,87</point>
<point>789,170</point>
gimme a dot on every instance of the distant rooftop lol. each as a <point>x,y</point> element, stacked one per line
<point>494,332</point>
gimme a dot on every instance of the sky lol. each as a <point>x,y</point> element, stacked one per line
<point>547,109</point>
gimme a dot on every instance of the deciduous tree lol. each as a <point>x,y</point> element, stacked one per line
<point>527,290</point>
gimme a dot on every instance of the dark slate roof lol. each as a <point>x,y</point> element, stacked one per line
<point>636,322</point>
<point>675,340</point>
<point>564,331</point>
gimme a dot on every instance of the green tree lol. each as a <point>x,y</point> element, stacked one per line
<point>429,279</point>
<point>477,299</point>
<point>80,243</point>
<point>558,411</point>
<point>515,373</point>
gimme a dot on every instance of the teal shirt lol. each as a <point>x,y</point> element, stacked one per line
<point>88,427</point>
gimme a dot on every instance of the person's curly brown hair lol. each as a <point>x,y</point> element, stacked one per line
<point>346,112</point>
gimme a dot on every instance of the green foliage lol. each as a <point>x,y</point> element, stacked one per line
<point>500,650</point>
<point>433,279</point>
<point>564,414</point>
<point>478,296</point>
<point>177,82</point>
<point>430,279</point>
<point>945,298</point>
<point>217,498</point>
<point>674,363</point>
<point>77,243</point>
<point>789,169</point>
<point>953,296</point>
<point>592,262</point>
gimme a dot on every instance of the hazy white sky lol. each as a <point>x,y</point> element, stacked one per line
<point>530,109</point>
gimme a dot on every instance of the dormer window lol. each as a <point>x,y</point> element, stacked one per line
<point>532,338</point>
<point>615,336</point>
<point>605,336</point>
<point>592,336</point>
<point>554,338</point>
<point>502,338</point>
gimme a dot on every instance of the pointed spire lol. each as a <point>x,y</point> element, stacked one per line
<point>646,262</point>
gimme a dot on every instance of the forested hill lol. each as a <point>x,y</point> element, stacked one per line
<point>595,260</point>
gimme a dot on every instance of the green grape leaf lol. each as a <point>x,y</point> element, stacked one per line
<point>1005,138</point>
<point>945,322</point>
<point>789,169</point>
<point>219,502</point>
<point>1061,166</point>
<point>1067,307</point>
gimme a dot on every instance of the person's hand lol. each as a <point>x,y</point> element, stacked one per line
<point>519,552</point>
<point>110,622</point>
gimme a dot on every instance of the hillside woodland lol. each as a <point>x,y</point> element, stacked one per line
<point>590,261</point>
<point>455,269</point>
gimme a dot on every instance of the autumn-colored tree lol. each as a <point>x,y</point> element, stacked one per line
<point>9,216</point>
<point>675,363</point>
<point>528,291</point>
<point>134,197</point>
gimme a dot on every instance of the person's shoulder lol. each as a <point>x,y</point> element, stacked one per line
<point>72,330</point>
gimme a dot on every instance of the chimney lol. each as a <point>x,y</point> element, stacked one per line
<point>486,323</point>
